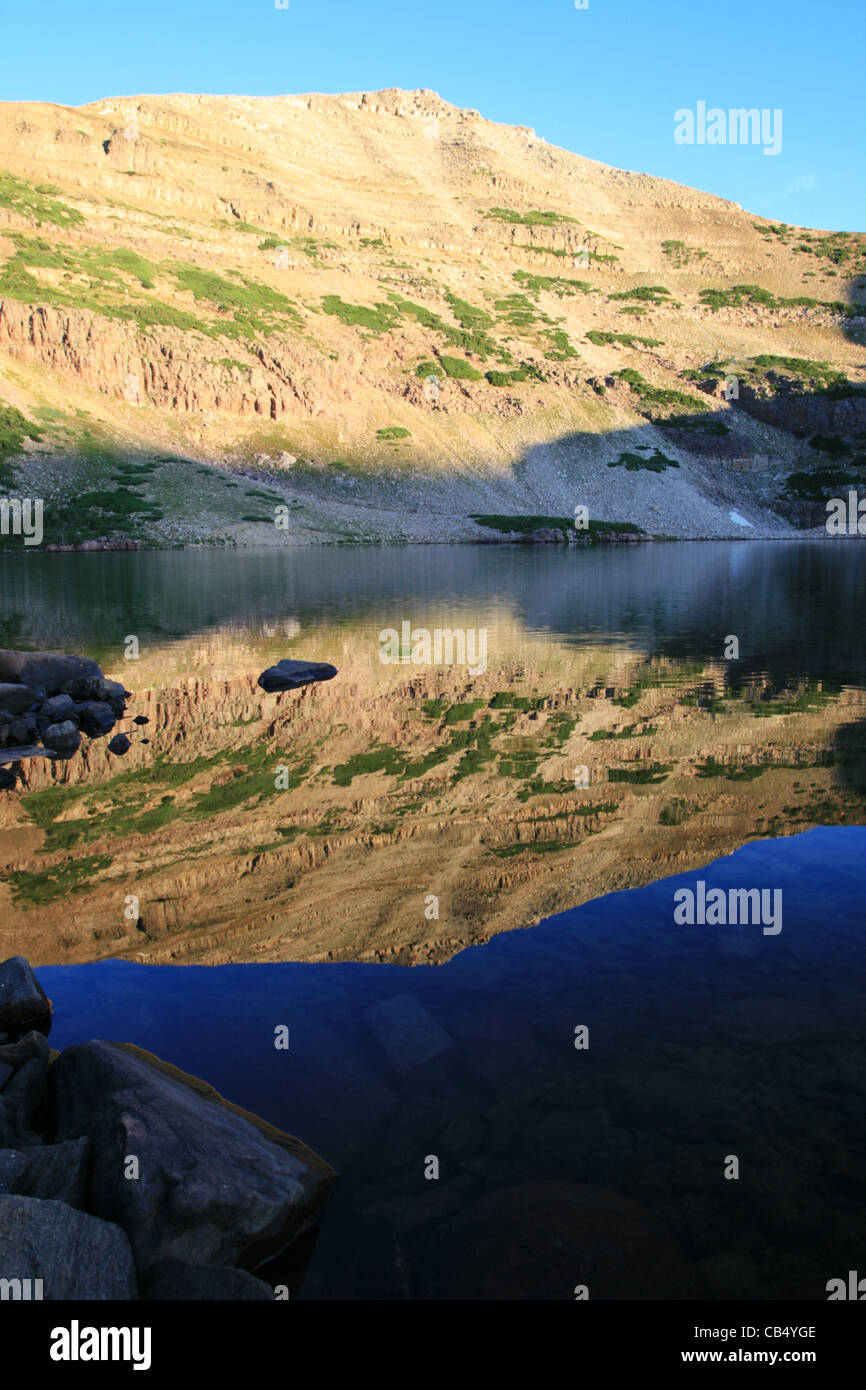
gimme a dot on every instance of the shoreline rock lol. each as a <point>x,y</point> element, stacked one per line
<point>132,1179</point>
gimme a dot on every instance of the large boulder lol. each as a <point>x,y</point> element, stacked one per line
<point>22,999</point>
<point>288,675</point>
<point>48,671</point>
<point>215,1184</point>
<point>75,1255</point>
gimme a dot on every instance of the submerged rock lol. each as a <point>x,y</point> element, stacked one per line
<point>216,1185</point>
<point>288,675</point>
<point>75,1255</point>
<point>411,1038</point>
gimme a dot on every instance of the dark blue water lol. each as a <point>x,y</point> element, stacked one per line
<point>601,1166</point>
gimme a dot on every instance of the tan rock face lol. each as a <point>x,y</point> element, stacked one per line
<point>352,821</point>
<point>287,269</point>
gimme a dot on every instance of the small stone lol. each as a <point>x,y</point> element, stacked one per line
<point>119,745</point>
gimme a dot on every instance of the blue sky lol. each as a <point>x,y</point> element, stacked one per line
<point>604,81</point>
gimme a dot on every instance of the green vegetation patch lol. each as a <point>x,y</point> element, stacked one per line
<point>534,218</point>
<point>381,319</point>
<point>635,463</point>
<point>35,202</point>
<point>681,255</point>
<point>659,396</point>
<point>648,773</point>
<point>14,429</point>
<point>739,295</point>
<point>552,284</point>
<point>393,432</point>
<point>459,368</point>
<point>525,525</point>
<point>646,294</point>
<point>603,339</point>
<point>33,888</point>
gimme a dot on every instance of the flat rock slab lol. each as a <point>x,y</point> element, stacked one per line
<point>410,1036</point>
<point>22,998</point>
<point>288,675</point>
<point>25,750</point>
<point>216,1185</point>
<point>75,1255</point>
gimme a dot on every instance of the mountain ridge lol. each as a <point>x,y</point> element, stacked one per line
<point>282,277</point>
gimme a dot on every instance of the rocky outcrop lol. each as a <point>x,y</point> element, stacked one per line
<point>54,698</point>
<point>174,372</point>
<point>122,1177</point>
<point>215,1185</point>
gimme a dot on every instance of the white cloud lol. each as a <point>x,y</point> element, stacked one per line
<point>804,184</point>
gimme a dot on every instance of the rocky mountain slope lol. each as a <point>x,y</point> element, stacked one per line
<point>388,316</point>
